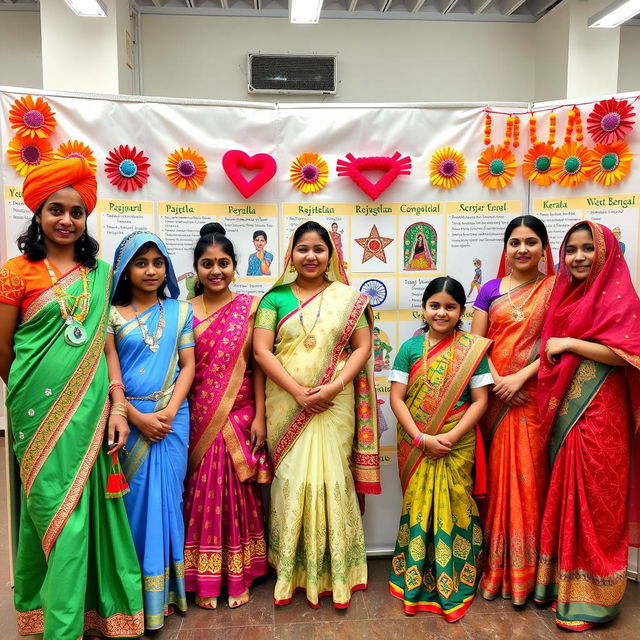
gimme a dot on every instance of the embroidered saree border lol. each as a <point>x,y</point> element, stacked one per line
<point>49,295</point>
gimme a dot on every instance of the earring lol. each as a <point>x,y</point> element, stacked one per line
<point>292,269</point>
<point>125,277</point>
<point>40,234</point>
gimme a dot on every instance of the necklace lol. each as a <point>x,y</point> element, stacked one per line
<point>517,312</point>
<point>152,341</point>
<point>435,380</point>
<point>73,309</point>
<point>309,341</point>
<point>204,305</point>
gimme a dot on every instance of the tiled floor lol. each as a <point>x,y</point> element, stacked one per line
<point>373,614</point>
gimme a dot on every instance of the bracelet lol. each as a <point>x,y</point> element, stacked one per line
<point>119,409</point>
<point>342,381</point>
<point>418,440</point>
<point>118,412</point>
<point>115,384</point>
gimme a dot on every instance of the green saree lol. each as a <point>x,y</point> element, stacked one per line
<point>76,568</point>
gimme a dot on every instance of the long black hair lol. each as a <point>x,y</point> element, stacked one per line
<point>448,285</point>
<point>123,294</point>
<point>535,224</point>
<point>210,234</point>
<point>31,244</point>
<point>313,227</point>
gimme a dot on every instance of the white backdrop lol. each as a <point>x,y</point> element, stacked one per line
<point>284,131</point>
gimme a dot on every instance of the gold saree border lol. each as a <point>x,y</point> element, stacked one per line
<point>49,295</point>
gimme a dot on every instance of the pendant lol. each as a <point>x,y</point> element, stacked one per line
<point>517,315</point>
<point>75,334</point>
<point>309,342</point>
<point>153,344</point>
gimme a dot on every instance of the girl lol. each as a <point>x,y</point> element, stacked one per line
<point>509,311</point>
<point>154,341</point>
<point>225,541</point>
<point>438,393</point>
<point>76,568</point>
<point>588,379</point>
<point>313,341</point>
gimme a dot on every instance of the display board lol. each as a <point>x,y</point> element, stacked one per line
<point>390,246</point>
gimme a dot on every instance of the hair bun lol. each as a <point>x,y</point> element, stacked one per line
<point>212,227</point>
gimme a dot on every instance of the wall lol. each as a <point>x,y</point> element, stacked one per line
<point>20,49</point>
<point>378,61</point>
<point>628,67</point>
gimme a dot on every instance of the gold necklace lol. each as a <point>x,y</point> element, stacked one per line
<point>75,334</point>
<point>517,313</point>
<point>309,341</point>
<point>204,306</point>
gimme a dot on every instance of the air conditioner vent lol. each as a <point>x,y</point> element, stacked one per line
<point>292,74</point>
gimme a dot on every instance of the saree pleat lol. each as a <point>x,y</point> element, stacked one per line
<point>517,462</point>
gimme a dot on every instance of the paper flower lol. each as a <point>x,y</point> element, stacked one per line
<point>76,149</point>
<point>610,163</point>
<point>186,168</point>
<point>32,119</point>
<point>610,120</point>
<point>568,166</point>
<point>447,168</point>
<point>536,166</point>
<point>393,166</point>
<point>309,173</point>
<point>127,168</point>
<point>26,153</point>
<point>496,167</point>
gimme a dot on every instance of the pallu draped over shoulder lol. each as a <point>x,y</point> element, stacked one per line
<point>225,538</point>
<point>316,538</point>
<point>517,466</point>
<point>591,410</point>
<point>76,568</point>
<point>436,564</point>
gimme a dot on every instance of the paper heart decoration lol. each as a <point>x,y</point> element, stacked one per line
<point>234,160</point>
<point>394,166</point>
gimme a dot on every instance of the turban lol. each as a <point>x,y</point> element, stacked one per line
<point>49,177</point>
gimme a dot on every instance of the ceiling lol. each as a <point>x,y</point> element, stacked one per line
<point>452,10</point>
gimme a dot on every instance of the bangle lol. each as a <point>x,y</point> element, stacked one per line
<point>417,440</point>
<point>119,409</point>
<point>341,381</point>
<point>115,384</point>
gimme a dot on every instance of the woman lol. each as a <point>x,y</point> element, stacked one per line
<point>588,374</point>
<point>313,341</point>
<point>76,569</point>
<point>509,311</point>
<point>153,337</point>
<point>438,393</point>
<point>420,256</point>
<point>225,541</point>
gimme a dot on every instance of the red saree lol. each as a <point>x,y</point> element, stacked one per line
<point>517,462</point>
<point>588,408</point>
<point>225,538</point>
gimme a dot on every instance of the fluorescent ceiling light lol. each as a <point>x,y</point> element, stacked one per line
<point>304,11</point>
<point>615,14</point>
<point>88,8</point>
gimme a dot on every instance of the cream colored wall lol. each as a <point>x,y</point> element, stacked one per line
<point>552,54</point>
<point>629,61</point>
<point>378,61</point>
<point>20,49</point>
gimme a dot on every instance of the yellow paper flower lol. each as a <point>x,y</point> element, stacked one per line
<point>32,119</point>
<point>76,149</point>
<point>447,168</point>
<point>27,153</point>
<point>569,164</point>
<point>536,166</point>
<point>610,163</point>
<point>496,167</point>
<point>186,168</point>
<point>309,173</point>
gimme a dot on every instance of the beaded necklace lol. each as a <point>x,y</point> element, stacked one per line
<point>152,341</point>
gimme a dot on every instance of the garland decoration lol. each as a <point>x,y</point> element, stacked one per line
<point>497,164</point>
<point>536,165</point>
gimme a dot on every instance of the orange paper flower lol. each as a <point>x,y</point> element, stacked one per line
<point>186,168</point>
<point>536,166</point>
<point>32,119</point>
<point>496,167</point>
<point>447,168</point>
<point>27,153</point>
<point>610,163</point>
<point>568,166</point>
<point>76,149</point>
<point>309,173</point>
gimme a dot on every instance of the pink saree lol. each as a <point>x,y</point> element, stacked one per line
<point>225,541</point>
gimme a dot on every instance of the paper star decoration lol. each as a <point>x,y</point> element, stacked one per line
<point>374,245</point>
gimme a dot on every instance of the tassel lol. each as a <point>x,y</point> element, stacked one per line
<point>117,484</point>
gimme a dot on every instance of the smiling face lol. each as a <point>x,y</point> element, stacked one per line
<point>442,313</point>
<point>147,271</point>
<point>215,269</point>
<point>63,217</point>
<point>524,249</point>
<point>310,256</point>
<point>579,254</point>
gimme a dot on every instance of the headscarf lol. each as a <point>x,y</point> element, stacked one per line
<point>49,177</point>
<point>128,248</point>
